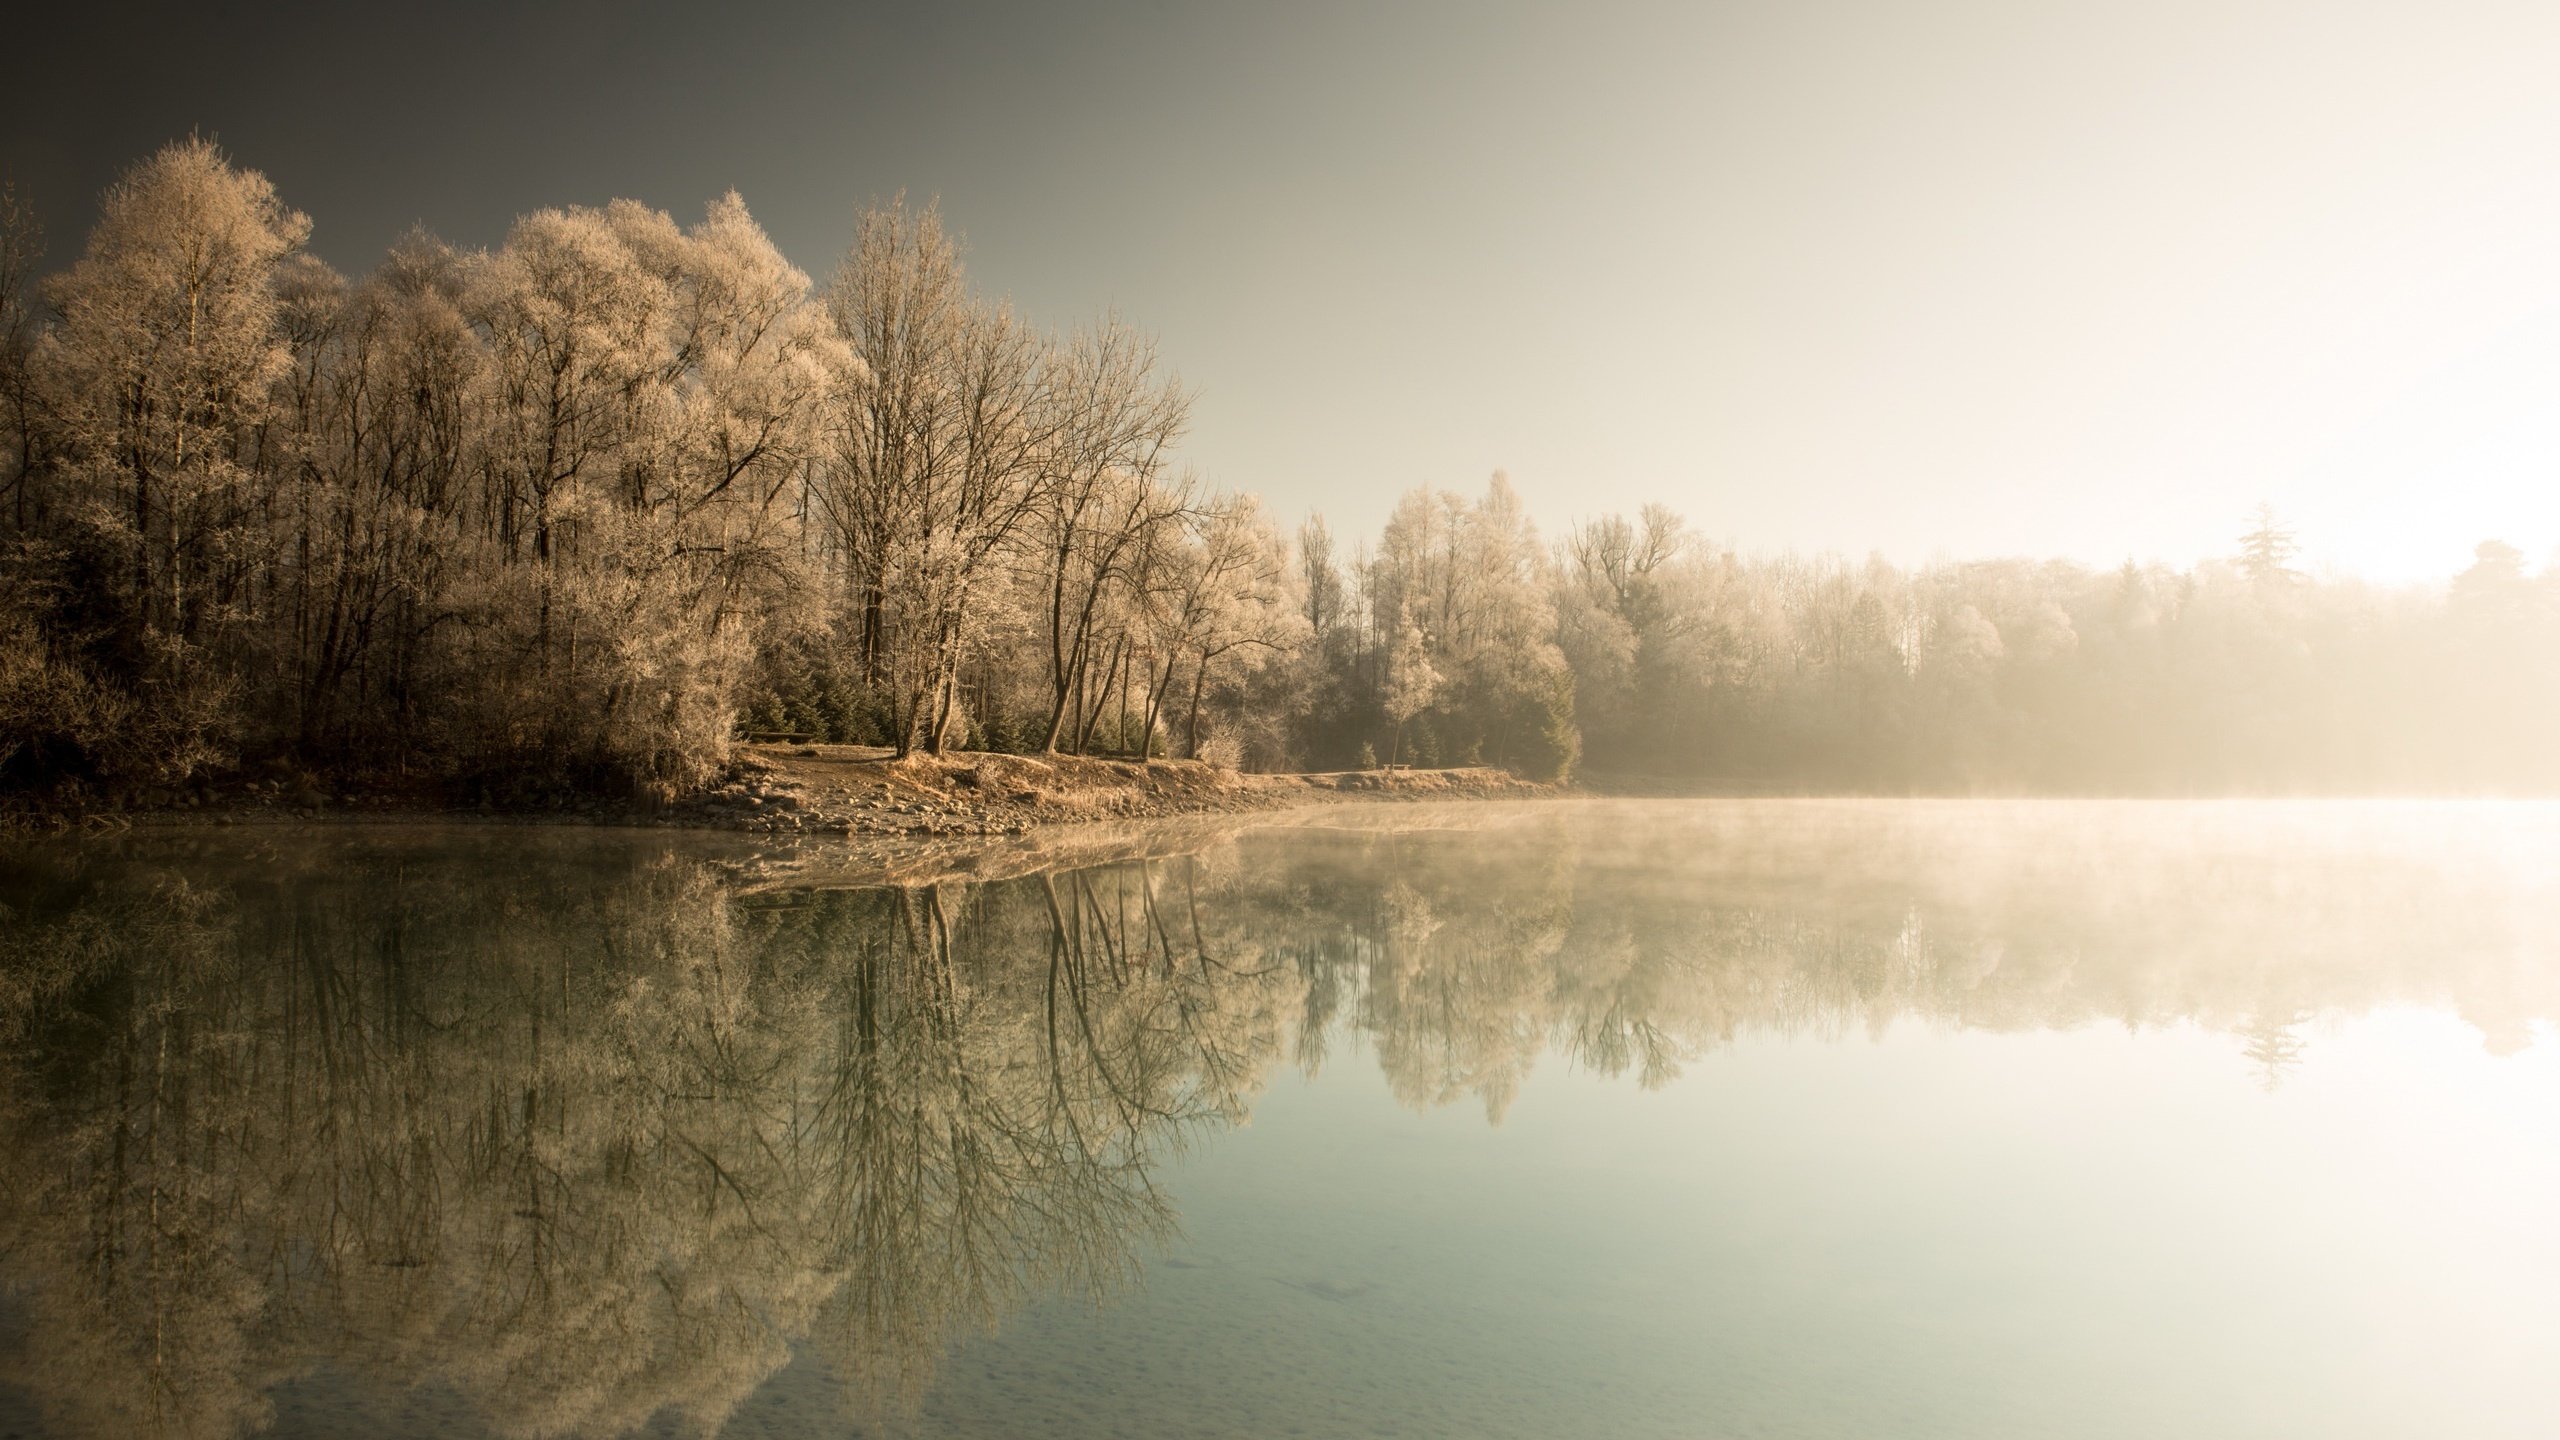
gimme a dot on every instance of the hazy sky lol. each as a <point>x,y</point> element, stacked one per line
<point>1959,278</point>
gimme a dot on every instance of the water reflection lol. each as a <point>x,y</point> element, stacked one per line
<point>589,1130</point>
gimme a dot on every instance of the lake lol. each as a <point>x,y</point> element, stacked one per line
<point>1681,1119</point>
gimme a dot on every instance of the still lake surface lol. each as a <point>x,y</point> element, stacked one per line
<point>1630,1119</point>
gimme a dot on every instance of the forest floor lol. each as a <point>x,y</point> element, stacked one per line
<point>863,792</point>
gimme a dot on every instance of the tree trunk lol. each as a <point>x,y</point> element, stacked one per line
<point>871,634</point>
<point>1191,731</point>
<point>1155,707</point>
<point>1062,656</point>
<point>1110,679</point>
<point>941,732</point>
<point>1064,693</point>
<point>1084,679</point>
<point>1121,736</point>
<point>910,711</point>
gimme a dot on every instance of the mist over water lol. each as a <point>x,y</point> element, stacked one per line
<point>1631,1118</point>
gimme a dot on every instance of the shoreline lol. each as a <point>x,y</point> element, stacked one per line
<point>846,792</point>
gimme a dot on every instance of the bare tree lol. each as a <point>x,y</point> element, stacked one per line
<point>21,249</point>
<point>939,456</point>
<point>1103,501</point>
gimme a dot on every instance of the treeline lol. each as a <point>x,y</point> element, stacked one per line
<point>1663,661</point>
<point>2239,676</point>
<point>567,511</point>
<point>584,509</point>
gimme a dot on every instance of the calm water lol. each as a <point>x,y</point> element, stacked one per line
<point>1696,1119</point>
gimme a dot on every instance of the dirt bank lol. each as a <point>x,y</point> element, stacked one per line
<point>846,790</point>
<point>852,790</point>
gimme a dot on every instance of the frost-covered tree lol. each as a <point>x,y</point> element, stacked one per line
<point>159,380</point>
<point>650,398</point>
<point>149,401</point>
<point>379,437</point>
<point>1106,500</point>
<point>1222,604</point>
<point>1471,577</point>
<point>1412,681</point>
<point>940,453</point>
<point>2267,549</point>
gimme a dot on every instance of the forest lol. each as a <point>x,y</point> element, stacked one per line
<point>583,511</point>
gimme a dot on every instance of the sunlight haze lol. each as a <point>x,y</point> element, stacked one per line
<point>1935,280</point>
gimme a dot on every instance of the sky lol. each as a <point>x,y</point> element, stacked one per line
<point>1946,280</point>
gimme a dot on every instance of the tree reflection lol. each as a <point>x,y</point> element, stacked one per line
<point>2273,1044</point>
<point>584,1146</point>
<point>590,1132</point>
